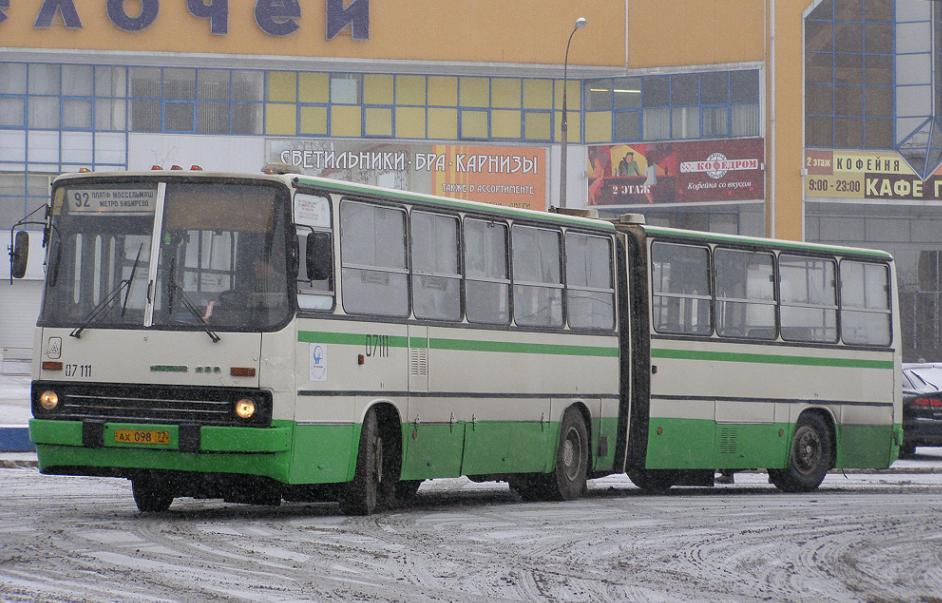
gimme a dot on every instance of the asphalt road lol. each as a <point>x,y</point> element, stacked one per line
<point>860,537</point>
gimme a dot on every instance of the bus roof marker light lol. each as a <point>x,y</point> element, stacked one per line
<point>196,168</point>
<point>175,168</point>
<point>156,168</point>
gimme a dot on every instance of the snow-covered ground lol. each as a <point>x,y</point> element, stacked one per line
<point>861,537</point>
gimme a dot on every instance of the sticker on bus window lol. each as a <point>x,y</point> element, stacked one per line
<point>318,362</point>
<point>111,201</point>
<point>311,211</point>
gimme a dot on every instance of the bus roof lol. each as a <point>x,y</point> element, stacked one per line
<point>713,237</point>
<point>353,188</point>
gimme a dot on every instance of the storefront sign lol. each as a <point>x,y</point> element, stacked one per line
<point>274,17</point>
<point>867,175</point>
<point>510,176</point>
<point>677,172</point>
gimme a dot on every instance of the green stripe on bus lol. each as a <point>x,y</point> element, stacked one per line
<point>770,359</point>
<point>467,345</point>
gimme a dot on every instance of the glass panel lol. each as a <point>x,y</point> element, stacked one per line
<point>410,89</point>
<point>505,92</point>
<point>443,91</point>
<point>657,124</point>
<point>213,85</point>
<point>110,114</point>
<point>684,89</point>
<point>178,117</point>
<point>110,81</point>
<point>744,278</point>
<point>745,85</point>
<point>314,88</point>
<point>223,253</point>
<point>378,121</point>
<point>179,84</point>
<point>213,118</point>
<point>374,260</point>
<point>680,287</point>
<point>378,89</point>
<point>12,112</point>
<point>536,259</point>
<point>627,93</point>
<point>655,91</point>
<point>505,124</point>
<point>44,112</point>
<point>410,122</point>
<point>12,79</point>
<point>714,87</point>
<point>715,121</point>
<point>313,120</point>
<point>628,126</point>
<point>536,126</point>
<point>43,79</point>
<point>442,123</point>
<point>819,36</point>
<point>474,124</point>
<point>436,283</point>
<point>345,121</point>
<point>247,85</point>
<point>145,81</point>
<point>474,92</point>
<point>345,89</point>
<point>685,122</point>
<point>246,118</point>
<point>589,296</point>
<point>77,80</point>
<point>77,114</point>
<point>598,95</point>
<point>282,86</point>
<point>807,282</point>
<point>538,94</point>
<point>487,292</point>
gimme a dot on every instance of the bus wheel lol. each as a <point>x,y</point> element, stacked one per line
<point>652,481</point>
<point>149,495</point>
<point>809,459</point>
<point>407,489</point>
<point>568,481</point>
<point>373,485</point>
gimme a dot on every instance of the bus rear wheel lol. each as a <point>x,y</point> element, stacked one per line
<point>810,457</point>
<point>150,495</point>
<point>374,486</point>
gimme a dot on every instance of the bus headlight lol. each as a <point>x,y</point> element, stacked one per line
<point>49,400</point>
<point>245,409</point>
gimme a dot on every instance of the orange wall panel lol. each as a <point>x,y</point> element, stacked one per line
<point>695,32</point>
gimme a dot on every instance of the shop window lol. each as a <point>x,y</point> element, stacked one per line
<point>536,125</point>
<point>280,119</point>
<point>598,126</point>
<point>345,88</point>
<point>443,91</point>
<point>626,93</point>
<point>378,89</point>
<point>505,124</point>
<point>377,121</point>
<point>313,88</point>
<point>12,78</point>
<point>442,123</point>
<point>473,124</point>
<point>474,92</point>
<point>505,93</point>
<point>538,94</point>
<point>410,89</point>
<point>314,120</point>
<point>282,86</point>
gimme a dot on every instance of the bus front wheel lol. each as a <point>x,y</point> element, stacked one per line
<point>373,485</point>
<point>150,495</point>
<point>810,456</point>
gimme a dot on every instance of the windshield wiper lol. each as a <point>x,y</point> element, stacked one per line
<point>186,302</point>
<point>99,310</point>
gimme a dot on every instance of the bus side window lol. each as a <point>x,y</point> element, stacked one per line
<point>315,247</point>
<point>590,292</point>
<point>745,294</point>
<point>680,283</point>
<point>375,274</point>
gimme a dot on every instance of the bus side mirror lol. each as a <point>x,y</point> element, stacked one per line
<point>20,254</point>
<point>319,256</point>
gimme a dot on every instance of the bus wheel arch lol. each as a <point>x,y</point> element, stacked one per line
<point>378,462</point>
<point>811,453</point>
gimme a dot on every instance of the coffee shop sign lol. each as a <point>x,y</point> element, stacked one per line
<point>274,17</point>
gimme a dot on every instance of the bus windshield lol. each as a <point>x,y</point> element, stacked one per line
<point>220,262</point>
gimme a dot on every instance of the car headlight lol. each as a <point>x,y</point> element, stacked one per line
<point>49,400</point>
<point>245,409</point>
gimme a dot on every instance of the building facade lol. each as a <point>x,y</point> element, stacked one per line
<point>798,119</point>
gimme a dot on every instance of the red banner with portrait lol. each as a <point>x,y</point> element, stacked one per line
<point>677,172</point>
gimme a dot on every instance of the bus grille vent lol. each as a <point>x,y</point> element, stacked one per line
<point>418,362</point>
<point>728,440</point>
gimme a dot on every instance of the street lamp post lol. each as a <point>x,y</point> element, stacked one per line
<point>564,127</point>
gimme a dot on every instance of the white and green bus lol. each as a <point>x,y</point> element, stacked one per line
<point>272,337</point>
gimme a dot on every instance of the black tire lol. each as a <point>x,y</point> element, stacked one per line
<point>907,451</point>
<point>373,485</point>
<point>652,481</point>
<point>407,490</point>
<point>150,495</point>
<point>568,480</point>
<point>810,456</point>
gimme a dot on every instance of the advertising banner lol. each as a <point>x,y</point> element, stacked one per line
<point>867,175</point>
<point>677,172</point>
<point>510,176</point>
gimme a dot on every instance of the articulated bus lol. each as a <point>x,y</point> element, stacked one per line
<point>270,337</point>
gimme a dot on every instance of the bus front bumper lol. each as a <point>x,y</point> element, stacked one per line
<point>105,448</point>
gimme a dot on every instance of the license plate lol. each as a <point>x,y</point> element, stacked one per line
<point>146,437</point>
